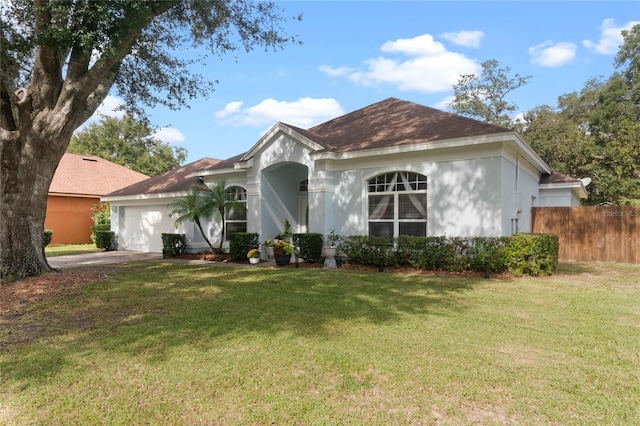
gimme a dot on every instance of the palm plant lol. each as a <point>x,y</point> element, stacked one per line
<point>203,202</point>
<point>220,202</point>
<point>192,207</point>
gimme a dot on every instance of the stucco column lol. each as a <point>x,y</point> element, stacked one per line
<point>321,202</point>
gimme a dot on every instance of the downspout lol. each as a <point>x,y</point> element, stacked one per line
<point>514,219</point>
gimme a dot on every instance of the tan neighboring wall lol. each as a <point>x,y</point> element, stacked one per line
<point>70,218</point>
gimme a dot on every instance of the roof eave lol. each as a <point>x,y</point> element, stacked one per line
<point>577,187</point>
<point>137,197</point>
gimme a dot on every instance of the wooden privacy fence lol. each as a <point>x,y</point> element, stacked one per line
<point>609,234</point>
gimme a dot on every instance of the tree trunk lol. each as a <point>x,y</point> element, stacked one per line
<point>28,163</point>
<point>204,235</point>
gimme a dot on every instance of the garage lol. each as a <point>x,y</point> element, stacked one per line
<point>143,228</point>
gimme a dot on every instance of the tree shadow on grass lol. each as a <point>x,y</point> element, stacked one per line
<point>147,309</point>
<point>576,268</point>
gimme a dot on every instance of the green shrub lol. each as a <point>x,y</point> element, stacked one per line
<point>310,246</point>
<point>240,243</point>
<point>369,251</point>
<point>105,239</point>
<point>101,227</point>
<point>173,244</point>
<point>488,250</point>
<point>531,254</point>
<point>411,251</point>
<point>46,239</point>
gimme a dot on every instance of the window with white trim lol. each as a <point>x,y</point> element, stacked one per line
<point>397,204</point>
<point>235,219</point>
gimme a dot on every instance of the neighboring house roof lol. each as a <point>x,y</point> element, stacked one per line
<point>89,175</point>
<point>555,180</point>
<point>555,177</point>
<point>175,180</point>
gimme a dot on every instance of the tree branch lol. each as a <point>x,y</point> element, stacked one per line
<point>47,68</point>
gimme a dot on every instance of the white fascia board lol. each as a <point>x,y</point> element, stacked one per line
<point>243,165</point>
<point>225,171</point>
<point>577,187</point>
<point>528,152</point>
<point>143,197</point>
<point>509,138</point>
<point>273,132</point>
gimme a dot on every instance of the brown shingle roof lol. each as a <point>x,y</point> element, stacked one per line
<point>89,175</point>
<point>175,180</point>
<point>394,122</point>
<point>556,177</point>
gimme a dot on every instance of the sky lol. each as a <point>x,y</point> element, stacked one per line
<point>356,53</point>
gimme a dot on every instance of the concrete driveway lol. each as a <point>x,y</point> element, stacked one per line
<point>100,258</point>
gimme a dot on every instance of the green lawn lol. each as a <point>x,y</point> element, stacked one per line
<point>65,249</point>
<point>157,343</point>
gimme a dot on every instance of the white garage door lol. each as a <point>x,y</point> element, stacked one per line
<point>143,228</point>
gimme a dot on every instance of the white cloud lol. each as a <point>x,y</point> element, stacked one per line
<point>548,54</point>
<point>465,38</point>
<point>304,112</point>
<point>430,67</point>
<point>108,108</point>
<point>229,109</point>
<point>610,37</point>
<point>170,135</point>
<point>423,45</point>
<point>334,72</point>
<point>444,103</point>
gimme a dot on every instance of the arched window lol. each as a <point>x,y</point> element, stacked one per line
<point>398,204</point>
<point>236,220</point>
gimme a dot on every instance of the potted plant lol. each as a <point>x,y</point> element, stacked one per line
<point>254,256</point>
<point>331,240</point>
<point>269,246</point>
<point>282,251</point>
<point>287,235</point>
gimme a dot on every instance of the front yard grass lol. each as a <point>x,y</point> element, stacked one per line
<point>160,343</point>
<point>66,249</point>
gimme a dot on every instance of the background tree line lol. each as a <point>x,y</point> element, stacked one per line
<point>127,142</point>
<point>594,133</point>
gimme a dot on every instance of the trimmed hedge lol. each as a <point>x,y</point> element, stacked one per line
<point>240,243</point>
<point>103,227</point>
<point>46,239</point>
<point>532,254</point>
<point>173,244</point>
<point>310,246</point>
<point>105,239</point>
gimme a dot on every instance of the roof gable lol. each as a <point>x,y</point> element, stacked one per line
<point>91,175</point>
<point>176,180</point>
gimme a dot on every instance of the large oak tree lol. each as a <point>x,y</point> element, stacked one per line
<point>60,59</point>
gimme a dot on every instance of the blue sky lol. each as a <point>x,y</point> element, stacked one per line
<point>356,53</point>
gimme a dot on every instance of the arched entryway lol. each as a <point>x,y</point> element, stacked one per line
<point>283,195</point>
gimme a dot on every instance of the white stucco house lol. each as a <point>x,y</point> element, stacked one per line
<point>391,168</point>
